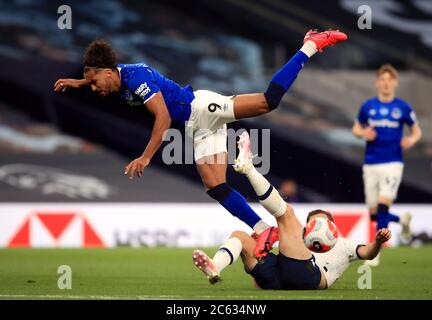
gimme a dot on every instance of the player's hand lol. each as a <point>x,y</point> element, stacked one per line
<point>406,143</point>
<point>369,134</point>
<point>63,84</point>
<point>137,166</point>
<point>383,235</point>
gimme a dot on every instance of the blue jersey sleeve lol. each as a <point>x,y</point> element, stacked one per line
<point>143,84</point>
<point>409,115</point>
<point>362,116</point>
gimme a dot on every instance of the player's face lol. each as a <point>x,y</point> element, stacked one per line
<point>100,81</point>
<point>386,84</point>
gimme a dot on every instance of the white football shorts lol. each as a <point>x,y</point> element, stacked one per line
<point>381,180</point>
<point>207,123</point>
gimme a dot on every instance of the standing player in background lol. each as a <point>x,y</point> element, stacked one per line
<point>209,112</point>
<point>381,122</point>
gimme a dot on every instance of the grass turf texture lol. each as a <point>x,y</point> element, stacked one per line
<point>166,273</point>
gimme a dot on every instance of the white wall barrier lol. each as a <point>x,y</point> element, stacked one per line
<point>162,224</point>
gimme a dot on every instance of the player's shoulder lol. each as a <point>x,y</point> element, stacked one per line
<point>370,102</point>
<point>135,74</point>
<point>346,243</point>
<point>133,66</point>
<point>402,103</point>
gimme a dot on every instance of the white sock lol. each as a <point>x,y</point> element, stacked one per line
<point>271,201</point>
<point>309,48</point>
<point>260,226</point>
<point>227,253</point>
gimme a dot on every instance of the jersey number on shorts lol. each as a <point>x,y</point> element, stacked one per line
<point>392,181</point>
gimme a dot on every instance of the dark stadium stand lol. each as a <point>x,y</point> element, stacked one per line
<point>40,164</point>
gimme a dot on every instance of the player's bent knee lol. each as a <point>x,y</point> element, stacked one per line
<point>274,95</point>
<point>210,181</point>
<point>219,192</point>
<point>239,235</point>
<point>287,216</point>
<point>264,107</point>
<point>289,210</point>
<point>210,184</point>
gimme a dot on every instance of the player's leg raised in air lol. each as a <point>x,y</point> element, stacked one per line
<point>211,112</point>
<point>293,268</point>
<point>251,105</point>
<point>295,262</point>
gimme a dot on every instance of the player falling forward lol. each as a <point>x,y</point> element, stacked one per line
<point>295,267</point>
<point>209,112</point>
<point>381,122</point>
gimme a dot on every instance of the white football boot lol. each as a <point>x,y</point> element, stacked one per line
<point>243,163</point>
<point>206,265</point>
<point>405,221</point>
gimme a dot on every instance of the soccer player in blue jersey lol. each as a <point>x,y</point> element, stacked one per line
<point>381,122</point>
<point>207,111</point>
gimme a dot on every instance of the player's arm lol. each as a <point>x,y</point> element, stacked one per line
<point>158,108</point>
<point>364,132</point>
<point>360,128</point>
<point>63,84</point>
<point>371,250</point>
<point>156,105</point>
<point>413,137</point>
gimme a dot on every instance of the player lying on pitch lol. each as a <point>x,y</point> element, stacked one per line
<point>295,267</point>
<point>207,112</point>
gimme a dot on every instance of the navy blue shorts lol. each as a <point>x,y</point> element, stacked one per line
<point>277,272</point>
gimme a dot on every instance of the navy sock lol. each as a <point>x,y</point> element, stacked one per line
<point>284,78</point>
<point>235,203</point>
<point>393,218</point>
<point>384,217</point>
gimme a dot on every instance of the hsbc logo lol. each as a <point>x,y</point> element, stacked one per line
<point>55,229</point>
<point>150,238</point>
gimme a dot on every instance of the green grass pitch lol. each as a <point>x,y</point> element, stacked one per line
<point>167,273</point>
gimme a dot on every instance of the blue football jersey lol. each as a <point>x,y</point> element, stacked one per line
<point>388,120</point>
<point>139,83</point>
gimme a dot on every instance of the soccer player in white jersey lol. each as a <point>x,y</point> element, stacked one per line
<point>380,122</point>
<point>295,267</point>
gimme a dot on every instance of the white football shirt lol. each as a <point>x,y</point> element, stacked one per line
<point>333,263</point>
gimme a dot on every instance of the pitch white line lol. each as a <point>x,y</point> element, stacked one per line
<point>162,297</point>
<point>271,297</point>
<point>53,296</point>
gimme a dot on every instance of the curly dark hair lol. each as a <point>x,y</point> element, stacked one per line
<point>319,211</point>
<point>99,54</point>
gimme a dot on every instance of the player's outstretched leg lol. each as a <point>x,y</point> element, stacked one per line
<point>291,242</point>
<point>384,217</point>
<point>251,105</point>
<point>267,195</point>
<point>226,255</point>
<point>206,265</point>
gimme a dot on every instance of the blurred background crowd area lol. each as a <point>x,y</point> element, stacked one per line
<point>229,46</point>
